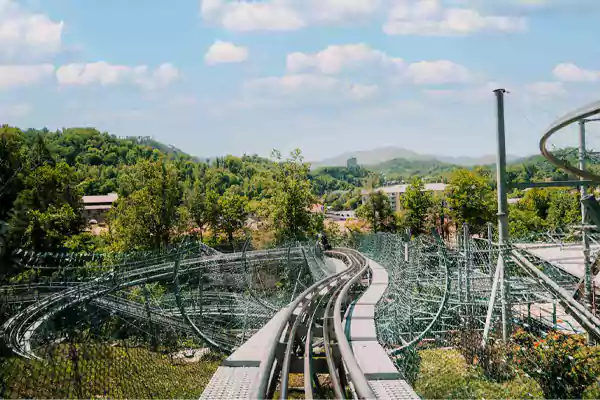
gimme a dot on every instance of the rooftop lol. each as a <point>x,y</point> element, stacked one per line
<point>434,187</point>
<point>106,199</point>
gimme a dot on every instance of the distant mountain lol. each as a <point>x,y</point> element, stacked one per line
<point>383,154</point>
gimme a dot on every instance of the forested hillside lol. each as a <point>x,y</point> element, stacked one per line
<point>163,194</point>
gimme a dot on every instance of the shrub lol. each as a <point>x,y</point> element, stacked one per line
<point>562,364</point>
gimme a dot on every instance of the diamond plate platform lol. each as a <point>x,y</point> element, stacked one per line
<point>393,390</point>
<point>231,383</point>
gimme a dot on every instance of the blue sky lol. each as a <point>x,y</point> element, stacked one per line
<point>218,76</point>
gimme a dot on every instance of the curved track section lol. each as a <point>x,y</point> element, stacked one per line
<point>577,115</point>
<point>220,270</point>
<point>308,337</point>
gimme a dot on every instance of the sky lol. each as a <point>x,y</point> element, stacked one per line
<point>216,77</point>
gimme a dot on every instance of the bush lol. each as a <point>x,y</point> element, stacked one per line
<point>563,365</point>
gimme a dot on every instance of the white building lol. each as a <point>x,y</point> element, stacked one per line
<point>395,192</point>
<point>96,207</point>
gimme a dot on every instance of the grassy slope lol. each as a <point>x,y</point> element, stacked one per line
<point>104,372</point>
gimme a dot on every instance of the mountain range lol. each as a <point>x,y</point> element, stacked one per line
<point>383,154</point>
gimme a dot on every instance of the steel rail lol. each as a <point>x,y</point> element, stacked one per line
<point>334,376</point>
<point>588,320</point>
<point>19,342</point>
<point>259,390</point>
<point>572,117</point>
<point>358,379</point>
<point>308,355</point>
<point>285,369</point>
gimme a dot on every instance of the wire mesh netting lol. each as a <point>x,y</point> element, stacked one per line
<point>140,325</point>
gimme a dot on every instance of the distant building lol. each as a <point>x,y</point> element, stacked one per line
<point>95,208</point>
<point>352,163</point>
<point>395,192</point>
<point>340,215</point>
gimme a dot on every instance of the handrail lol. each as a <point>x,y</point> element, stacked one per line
<point>359,380</point>
<point>577,115</point>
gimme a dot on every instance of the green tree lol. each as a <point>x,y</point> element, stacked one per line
<point>470,200</point>
<point>197,203</point>
<point>147,218</point>
<point>416,203</point>
<point>291,198</point>
<point>377,211</point>
<point>11,164</point>
<point>48,209</point>
<point>232,212</point>
<point>564,209</point>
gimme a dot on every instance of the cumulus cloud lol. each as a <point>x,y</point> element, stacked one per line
<point>569,72</point>
<point>337,58</point>
<point>437,73</point>
<point>225,52</point>
<point>275,15</point>
<point>27,34</point>
<point>283,15</point>
<point>290,84</point>
<point>102,73</point>
<point>313,87</point>
<point>19,75</point>
<point>334,59</point>
<point>432,18</point>
<point>362,92</point>
<point>546,89</point>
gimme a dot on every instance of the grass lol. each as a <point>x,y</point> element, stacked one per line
<point>103,371</point>
<point>444,374</point>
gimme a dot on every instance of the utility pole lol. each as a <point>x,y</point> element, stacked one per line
<point>502,215</point>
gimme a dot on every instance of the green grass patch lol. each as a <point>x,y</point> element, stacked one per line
<point>444,374</point>
<point>103,371</point>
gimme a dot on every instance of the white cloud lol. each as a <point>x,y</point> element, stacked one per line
<point>437,73</point>
<point>20,75</point>
<point>283,15</point>
<point>225,52</point>
<point>275,15</point>
<point>290,84</point>
<point>313,87</point>
<point>362,92</point>
<point>26,34</point>
<point>569,72</point>
<point>546,89</point>
<point>337,58</point>
<point>334,59</point>
<point>432,18</point>
<point>107,74</point>
<point>341,10</point>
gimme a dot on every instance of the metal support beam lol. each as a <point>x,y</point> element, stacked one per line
<point>585,240</point>
<point>502,212</point>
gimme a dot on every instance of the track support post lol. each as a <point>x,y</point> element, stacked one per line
<point>502,212</point>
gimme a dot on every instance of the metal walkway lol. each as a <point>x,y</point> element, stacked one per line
<point>381,373</point>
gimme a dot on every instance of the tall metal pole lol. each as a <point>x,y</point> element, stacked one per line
<point>502,214</point>
<point>501,169</point>
<point>585,240</point>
